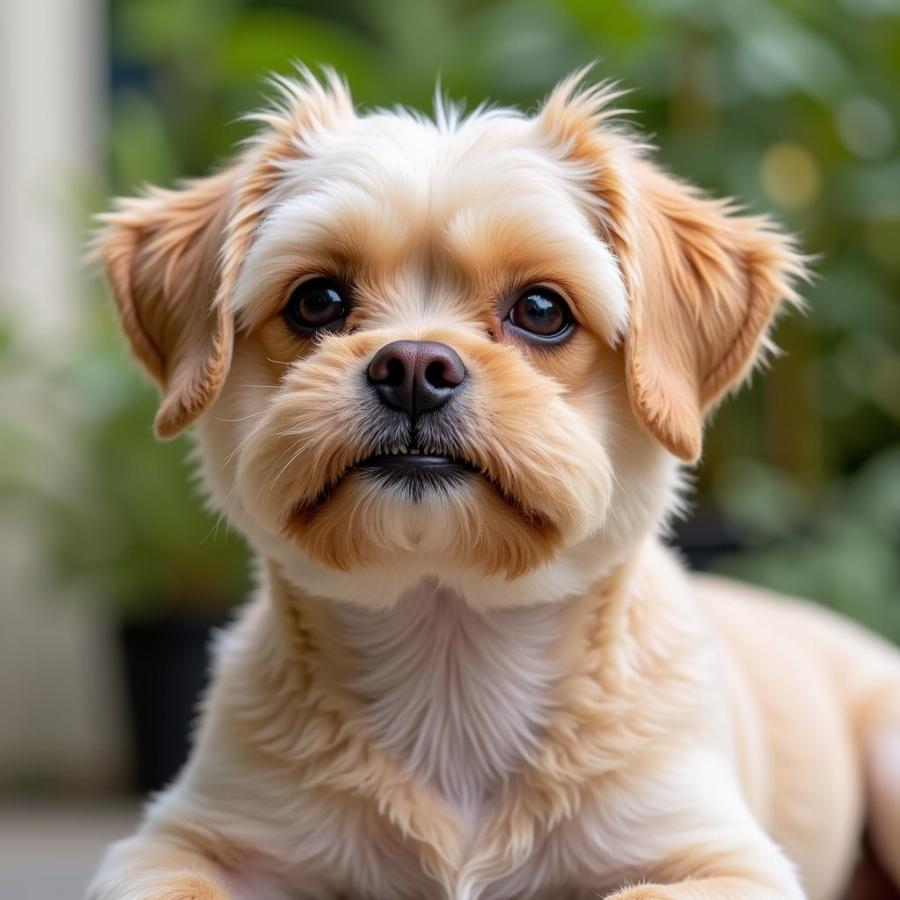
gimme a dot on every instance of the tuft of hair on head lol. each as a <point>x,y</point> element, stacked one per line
<point>448,114</point>
<point>305,102</point>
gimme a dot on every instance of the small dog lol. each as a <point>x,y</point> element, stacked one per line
<point>444,375</point>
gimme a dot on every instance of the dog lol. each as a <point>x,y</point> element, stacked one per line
<point>444,375</point>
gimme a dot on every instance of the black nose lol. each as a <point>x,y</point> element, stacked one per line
<point>416,376</point>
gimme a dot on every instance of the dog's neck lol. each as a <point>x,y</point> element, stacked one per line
<point>459,695</point>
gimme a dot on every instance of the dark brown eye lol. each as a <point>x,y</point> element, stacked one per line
<point>319,303</point>
<point>541,313</point>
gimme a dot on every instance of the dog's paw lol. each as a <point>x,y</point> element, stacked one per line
<point>185,887</point>
<point>650,892</point>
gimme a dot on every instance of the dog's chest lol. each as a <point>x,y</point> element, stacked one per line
<point>458,697</point>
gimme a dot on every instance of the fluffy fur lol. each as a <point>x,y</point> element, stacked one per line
<point>506,687</point>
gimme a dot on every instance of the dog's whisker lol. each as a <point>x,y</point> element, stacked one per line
<point>593,395</point>
<point>236,420</point>
<point>239,448</point>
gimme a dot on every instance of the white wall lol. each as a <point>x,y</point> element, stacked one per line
<point>58,709</point>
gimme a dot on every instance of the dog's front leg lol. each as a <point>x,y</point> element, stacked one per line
<point>702,872</point>
<point>147,867</point>
<point>725,888</point>
<point>761,872</point>
<point>696,839</point>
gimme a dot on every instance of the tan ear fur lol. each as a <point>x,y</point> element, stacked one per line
<point>161,255</point>
<point>173,257</point>
<point>704,282</point>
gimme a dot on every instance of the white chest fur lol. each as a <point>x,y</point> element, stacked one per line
<point>457,695</point>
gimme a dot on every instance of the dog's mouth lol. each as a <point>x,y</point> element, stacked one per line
<point>414,466</point>
<point>417,473</point>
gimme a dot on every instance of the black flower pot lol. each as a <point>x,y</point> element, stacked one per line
<point>166,669</point>
<point>704,537</point>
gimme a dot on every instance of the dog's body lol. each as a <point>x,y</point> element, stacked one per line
<point>471,670</point>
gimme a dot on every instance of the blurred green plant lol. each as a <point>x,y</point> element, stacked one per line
<point>790,105</point>
<point>162,550</point>
<point>114,510</point>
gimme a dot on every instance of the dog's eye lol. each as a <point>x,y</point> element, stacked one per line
<point>316,304</point>
<point>540,312</point>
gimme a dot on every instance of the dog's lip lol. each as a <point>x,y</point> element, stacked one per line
<point>435,463</point>
<point>399,460</point>
<point>414,463</point>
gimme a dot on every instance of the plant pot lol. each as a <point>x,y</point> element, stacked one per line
<point>166,668</point>
<point>705,536</point>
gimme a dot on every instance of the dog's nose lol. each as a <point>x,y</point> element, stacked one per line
<point>416,376</point>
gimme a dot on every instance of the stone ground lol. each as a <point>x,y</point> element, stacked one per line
<point>49,852</point>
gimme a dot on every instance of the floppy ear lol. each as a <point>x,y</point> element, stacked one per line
<point>161,253</point>
<point>704,282</point>
<point>173,257</point>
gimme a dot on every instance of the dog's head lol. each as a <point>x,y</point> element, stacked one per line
<point>477,344</point>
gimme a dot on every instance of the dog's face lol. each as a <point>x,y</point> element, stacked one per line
<point>475,345</point>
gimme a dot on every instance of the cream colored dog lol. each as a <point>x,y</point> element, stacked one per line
<point>444,374</point>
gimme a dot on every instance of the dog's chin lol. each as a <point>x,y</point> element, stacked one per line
<point>393,506</point>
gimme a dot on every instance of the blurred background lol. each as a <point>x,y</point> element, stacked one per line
<point>112,571</point>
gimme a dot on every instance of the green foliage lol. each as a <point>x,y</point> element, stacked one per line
<point>791,106</point>
<point>152,546</point>
<point>115,510</point>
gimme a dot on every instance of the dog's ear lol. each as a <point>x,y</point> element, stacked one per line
<point>161,253</point>
<point>172,257</point>
<point>704,281</point>
<point>705,284</point>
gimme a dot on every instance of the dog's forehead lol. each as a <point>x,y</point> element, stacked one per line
<point>433,169</point>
